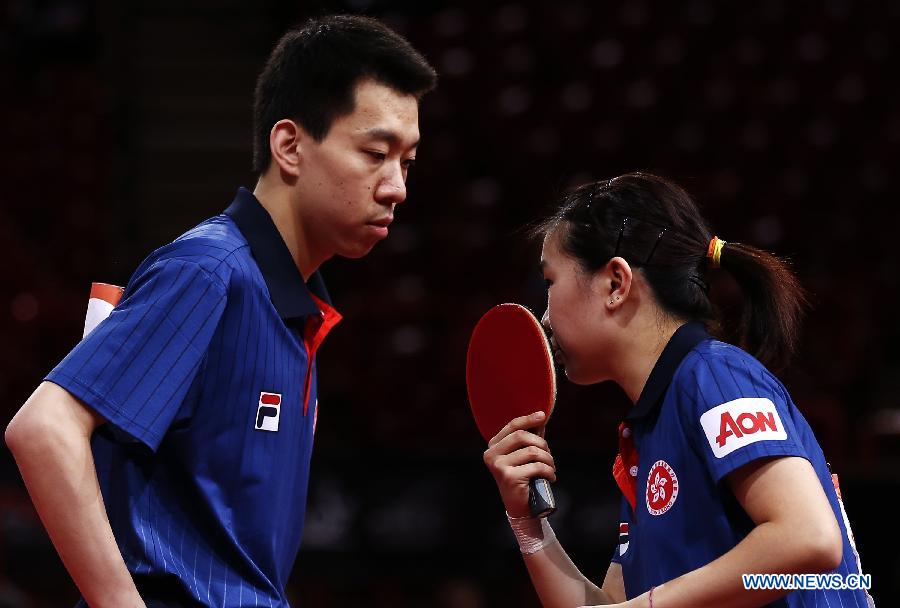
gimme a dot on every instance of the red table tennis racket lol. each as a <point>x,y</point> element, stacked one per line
<point>510,373</point>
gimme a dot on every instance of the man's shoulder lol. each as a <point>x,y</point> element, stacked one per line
<point>217,238</point>
<point>216,246</point>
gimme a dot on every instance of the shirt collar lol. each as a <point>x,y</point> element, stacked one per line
<point>291,295</point>
<point>681,343</point>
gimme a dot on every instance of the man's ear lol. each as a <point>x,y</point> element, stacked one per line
<point>618,278</point>
<point>286,142</point>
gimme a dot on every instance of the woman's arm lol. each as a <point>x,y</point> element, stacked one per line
<point>558,582</point>
<point>796,533</point>
<point>514,456</point>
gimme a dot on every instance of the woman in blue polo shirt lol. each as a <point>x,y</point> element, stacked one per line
<point>720,474</point>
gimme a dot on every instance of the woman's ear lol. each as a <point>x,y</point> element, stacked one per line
<point>617,282</point>
<point>286,144</point>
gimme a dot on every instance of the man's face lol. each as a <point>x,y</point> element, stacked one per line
<point>351,181</point>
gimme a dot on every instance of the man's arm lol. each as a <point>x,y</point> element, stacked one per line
<point>50,438</point>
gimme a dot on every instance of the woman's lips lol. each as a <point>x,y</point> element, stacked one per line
<point>559,357</point>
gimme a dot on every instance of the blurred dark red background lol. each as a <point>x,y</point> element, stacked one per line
<point>123,124</point>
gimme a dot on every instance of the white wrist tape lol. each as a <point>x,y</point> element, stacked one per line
<point>532,533</point>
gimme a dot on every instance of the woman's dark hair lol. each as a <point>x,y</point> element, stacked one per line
<point>655,225</point>
<point>312,73</point>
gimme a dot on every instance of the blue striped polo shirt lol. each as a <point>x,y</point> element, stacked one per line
<point>206,375</point>
<point>707,409</point>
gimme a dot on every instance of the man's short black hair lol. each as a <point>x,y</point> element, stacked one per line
<point>312,74</point>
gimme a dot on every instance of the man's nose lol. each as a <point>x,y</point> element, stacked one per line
<point>392,188</point>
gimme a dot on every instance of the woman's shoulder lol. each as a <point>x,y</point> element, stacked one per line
<point>718,353</point>
<point>726,368</point>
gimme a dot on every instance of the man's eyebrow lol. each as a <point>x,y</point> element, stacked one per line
<point>386,135</point>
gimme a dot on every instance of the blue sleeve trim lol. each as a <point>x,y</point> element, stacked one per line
<point>750,453</point>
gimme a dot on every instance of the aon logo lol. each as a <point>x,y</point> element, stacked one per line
<point>741,422</point>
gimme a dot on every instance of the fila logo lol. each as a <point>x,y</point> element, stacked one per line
<point>268,412</point>
<point>739,423</point>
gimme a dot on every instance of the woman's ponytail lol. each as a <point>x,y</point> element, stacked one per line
<point>774,304</point>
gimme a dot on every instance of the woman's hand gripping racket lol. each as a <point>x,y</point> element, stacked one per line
<point>510,373</point>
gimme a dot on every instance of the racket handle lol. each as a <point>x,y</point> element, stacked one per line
<point>540,498</point>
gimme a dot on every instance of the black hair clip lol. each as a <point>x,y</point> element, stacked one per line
<point>619,239</point>
<point>655,245</point>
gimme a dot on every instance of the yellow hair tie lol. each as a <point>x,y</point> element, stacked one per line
<point>714,252</point>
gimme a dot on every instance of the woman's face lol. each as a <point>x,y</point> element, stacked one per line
<point>575,313</point>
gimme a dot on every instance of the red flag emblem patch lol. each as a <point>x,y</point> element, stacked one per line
<point>662,488</point>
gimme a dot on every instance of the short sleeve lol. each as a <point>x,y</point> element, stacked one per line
<point>736,411</point>
<point>137,366</point>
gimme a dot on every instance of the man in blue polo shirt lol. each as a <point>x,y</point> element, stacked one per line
<point>168,453</point>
